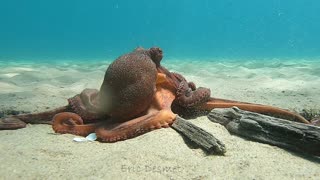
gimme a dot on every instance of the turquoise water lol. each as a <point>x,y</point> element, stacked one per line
<point>208,29</point>
<point>241,50</point>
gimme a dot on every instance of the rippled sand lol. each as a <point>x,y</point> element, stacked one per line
<point>36,152</point>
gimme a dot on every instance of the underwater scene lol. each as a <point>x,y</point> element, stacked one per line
<point>183,89</point>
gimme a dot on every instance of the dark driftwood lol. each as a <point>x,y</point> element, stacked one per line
<point>283,133</point>
<point>200,137</point>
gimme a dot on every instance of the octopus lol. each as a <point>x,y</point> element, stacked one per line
<point>137,95</point>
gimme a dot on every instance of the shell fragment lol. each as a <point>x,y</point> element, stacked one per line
<point>90,137</point>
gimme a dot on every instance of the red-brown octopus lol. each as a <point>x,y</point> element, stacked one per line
<point>136,96</point>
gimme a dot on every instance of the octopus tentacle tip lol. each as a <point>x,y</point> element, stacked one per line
<point>62,122</point>
<point>158,126</point>
<point>166,125</point>
<point>10,123</point>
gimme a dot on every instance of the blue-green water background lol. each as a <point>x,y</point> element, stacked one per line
<point>202,29</point>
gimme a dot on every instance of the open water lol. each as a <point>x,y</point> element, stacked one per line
<point>81,30</point>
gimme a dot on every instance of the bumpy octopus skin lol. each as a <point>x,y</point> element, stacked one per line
<point>158,115</point>
<point>192,99</point>
<point>72,123</point>
<point>188,95</point>
<point>129,82</point>
<point>132,85</point>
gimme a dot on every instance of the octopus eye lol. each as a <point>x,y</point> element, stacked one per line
<point>157,50</point>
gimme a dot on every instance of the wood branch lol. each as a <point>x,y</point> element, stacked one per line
<point>200,137</point>
<point>279,132</point>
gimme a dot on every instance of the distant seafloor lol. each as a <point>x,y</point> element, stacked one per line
<point>292,84</point>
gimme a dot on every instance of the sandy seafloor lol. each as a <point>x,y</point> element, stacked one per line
<point>36,152</point>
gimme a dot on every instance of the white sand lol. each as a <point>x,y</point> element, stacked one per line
<point>36,152</point>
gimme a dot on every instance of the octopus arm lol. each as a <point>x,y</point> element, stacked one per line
<point>135,127</point>
<point>72,123</point>
<point>258,108</point>
<point>193,98</point>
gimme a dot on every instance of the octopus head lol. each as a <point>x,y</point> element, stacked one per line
<point>156,55</point>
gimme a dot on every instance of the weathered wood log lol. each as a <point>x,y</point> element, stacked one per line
<point>199,136</point>
<point>279,132</point>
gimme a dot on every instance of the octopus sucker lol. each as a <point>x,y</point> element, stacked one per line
<point>68,122</point>
<point>137,126</point>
